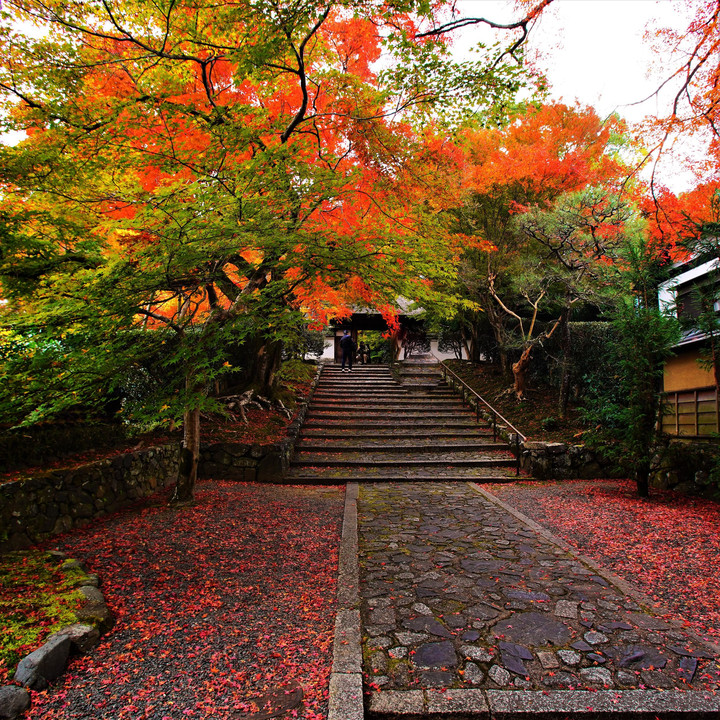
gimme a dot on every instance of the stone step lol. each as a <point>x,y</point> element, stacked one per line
<point>353,423</point>
<point>373,426</point>
<point>370,394</point>
<point>375,473</point>
<point>424,459</point>
<point>396,405</point>
<point>399,444</point>
<point>370,370</point>
<point>393,432</point>
<point>388,395</point>
<point>361,386</point>
<point>431,416</point>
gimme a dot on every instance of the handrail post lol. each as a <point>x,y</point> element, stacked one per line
<point>494,427</point>
<point>517,454</point>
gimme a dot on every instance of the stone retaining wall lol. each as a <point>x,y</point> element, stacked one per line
<point>559,461</point>
<point>48,443</point>
<point>688,466</point>
<point>35,508</point>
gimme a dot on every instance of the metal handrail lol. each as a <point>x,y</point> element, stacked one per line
<point>495,414</point>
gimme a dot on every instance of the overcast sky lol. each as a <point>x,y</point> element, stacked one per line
<point>594,52</point>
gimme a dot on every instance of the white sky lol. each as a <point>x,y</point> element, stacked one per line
<point>594,52</point>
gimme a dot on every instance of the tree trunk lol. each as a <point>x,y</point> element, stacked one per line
<point>189,457</point>
<point>469,343</point>
<point>265,366</point>
<point>564,398</point>
<point>520,372</point>
<point>642,479</point>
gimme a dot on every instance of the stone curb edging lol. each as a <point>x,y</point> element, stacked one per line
<point>346,688</point>
<point>453,704</point>
<point>622,585</point>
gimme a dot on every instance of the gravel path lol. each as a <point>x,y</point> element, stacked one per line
<point>216,604</point>
<point>668,545</point>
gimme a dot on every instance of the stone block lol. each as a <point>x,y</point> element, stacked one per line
<point>82,637</point>
<point>398,703</point>
<point>602,703</point>
<point>94,611</point>
<point>270,468</point>
<point>45,664</point>
<point>14,701</point>
<point>458,702</point>
<point>347,655</point>
<point>345,701</point>
<point>535,445</point>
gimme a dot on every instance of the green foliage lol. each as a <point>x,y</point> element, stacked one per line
<point>589,360</point>
<point>381,347</point>
<point>295,372</point>
<point>293,379</point>
<point>622,408</point>
<point>550,423</point>
<point>306,342</point>
<point>37,598</point>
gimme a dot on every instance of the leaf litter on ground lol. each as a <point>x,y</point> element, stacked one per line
<point>217,605</point>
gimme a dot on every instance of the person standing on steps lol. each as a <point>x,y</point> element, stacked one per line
<point>348,347</point>
<point>364,350</point>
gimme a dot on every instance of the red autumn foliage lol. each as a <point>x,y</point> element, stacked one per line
<point>666,545</point>
<point>216,604</point>
<point>676,220</point>
<point>546,151</point>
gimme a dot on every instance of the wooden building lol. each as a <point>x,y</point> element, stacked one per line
<point>691,394</point>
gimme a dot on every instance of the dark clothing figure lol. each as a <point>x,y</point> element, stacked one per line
<point>347,345</point>
<point>364,353</point>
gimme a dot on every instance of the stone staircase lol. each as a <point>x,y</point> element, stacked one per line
<point>366,425</point>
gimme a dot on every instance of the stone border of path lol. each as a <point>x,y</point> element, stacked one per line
<point>346,687</point>
<point>473,704</point>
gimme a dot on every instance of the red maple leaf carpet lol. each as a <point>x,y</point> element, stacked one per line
<point>224,609</point>
<point>667,545</point>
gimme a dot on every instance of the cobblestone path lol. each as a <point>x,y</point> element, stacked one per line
<point>457,592</point>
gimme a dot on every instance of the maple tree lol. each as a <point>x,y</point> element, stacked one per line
<point>545,153</point>
<point>199,175</point>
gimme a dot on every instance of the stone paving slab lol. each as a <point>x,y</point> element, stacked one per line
<point>464,603</point>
